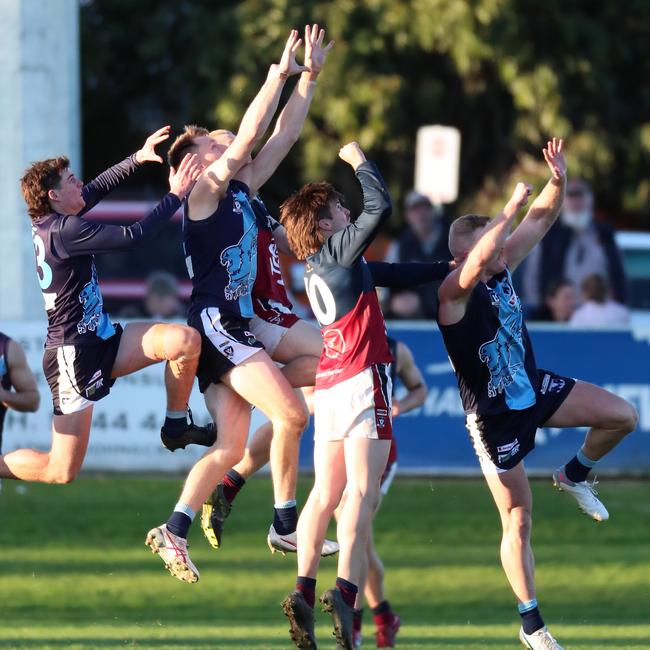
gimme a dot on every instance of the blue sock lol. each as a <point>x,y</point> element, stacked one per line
<point>531,619</point>
<point>180,520</point>
<point>285,518</point>
<point>578,467</point>
<point>175,423</point>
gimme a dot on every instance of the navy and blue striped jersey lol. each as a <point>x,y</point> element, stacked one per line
<point>65,248</point>
<point>221,255</point>
<point>490,350</point>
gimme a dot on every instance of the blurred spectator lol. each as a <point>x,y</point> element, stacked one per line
<point>597,307</point>
<point>560,302</point>
<point>575,247</point>
<point>161,300</point>
<point>424,240</point>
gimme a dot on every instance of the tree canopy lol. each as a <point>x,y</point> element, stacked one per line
<point>507,73</point>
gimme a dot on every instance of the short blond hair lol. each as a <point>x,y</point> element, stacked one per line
<point>465,227</point>
<point>183,143</point>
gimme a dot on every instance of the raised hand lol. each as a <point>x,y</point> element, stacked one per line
<point>554,156</point>
<point>288,65</point>
<point>352,154</point>
<point>148,151</point>
<point>182,180</point>
<point>315,53</point>
<point>520,195</point>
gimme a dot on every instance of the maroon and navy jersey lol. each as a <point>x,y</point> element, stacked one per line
<point>65,248</point>
<point>221,255</point>
<point>5,379</point>
<point>270,300</point>
<point>341,287</point>
<point>342,293</point>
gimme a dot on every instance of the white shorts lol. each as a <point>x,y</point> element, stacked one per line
<point>268,334</point>
<point>358,407</point>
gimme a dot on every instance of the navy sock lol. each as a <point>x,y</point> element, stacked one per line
<point>179,524</point>
<point>382,608</point>
<point>578,467</point>
<point>307,587</point>
<point>348,591</point>
<point>285,518</point>
<point>531,619</point>
<point>233,481</point>
<point>175,423</point>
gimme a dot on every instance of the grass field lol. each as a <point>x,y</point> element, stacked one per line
<point>74,572</point>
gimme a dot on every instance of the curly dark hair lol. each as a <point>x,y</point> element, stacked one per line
<point>38,180</point>
<point>300,215</point>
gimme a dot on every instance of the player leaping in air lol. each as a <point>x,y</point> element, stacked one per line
<point>220,241</point>
<point>505,396</point>
<point>286,338</point>
<point>84,351</point>
<point>353,390</point>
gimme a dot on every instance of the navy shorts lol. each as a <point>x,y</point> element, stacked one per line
<point>226,341</point>
<point>80,375</point>
<point>502,441</point>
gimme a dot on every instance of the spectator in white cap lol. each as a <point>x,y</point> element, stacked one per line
<point>423,240</point>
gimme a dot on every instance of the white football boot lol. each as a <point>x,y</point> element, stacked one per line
<point>584,493</point>
<point>289,543</point>
<point>173,552</point>
<point>539,640</point>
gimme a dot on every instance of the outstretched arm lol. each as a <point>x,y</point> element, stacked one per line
<point>412,378</point>
<point>408,274</point>
<point>77,236</point>
<point>348,245</point>
<point>292,118</point>
<point>544,209</point>
<point>458,285</point>
<point>108,180</point>
<point>254,124</point>
<point>25,395</point>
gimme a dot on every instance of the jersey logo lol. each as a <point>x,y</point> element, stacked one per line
<point>240,260</point>
<point>496,354</point>
<point>333,343</point>
<point>91,299</point>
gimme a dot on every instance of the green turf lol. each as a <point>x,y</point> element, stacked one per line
<point>74,572</point>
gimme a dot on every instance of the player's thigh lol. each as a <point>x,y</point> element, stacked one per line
<point>588,405</point>
<point>70,435</point>
<point>365,459</point>
<point>510,490</point>
<point>301,340</point>
<point>329,469</point>
<point>259,381</point>
<point>232,415</point>
<point>143,344</point>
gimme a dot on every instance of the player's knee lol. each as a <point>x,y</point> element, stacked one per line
<point>187,341</point>
<point>630,418</point>
<point>293,419</point>
<point>60,475</point>
<point>519,524</point>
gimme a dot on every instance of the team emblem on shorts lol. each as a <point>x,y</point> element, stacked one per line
<point>506,452</point>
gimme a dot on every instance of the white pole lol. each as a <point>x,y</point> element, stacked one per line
<point>39,118</point>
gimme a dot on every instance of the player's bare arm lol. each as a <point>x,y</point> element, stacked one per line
<point>24,396</point>
<point>214,182</point>
<point>458,285</point>
<point>412,378</point>
<point>544,210</point>
<point>292,118</point>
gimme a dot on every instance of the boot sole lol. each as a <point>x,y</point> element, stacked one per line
<point>176,567</point>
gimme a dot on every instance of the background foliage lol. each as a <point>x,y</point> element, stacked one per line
<point>507,73</point>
